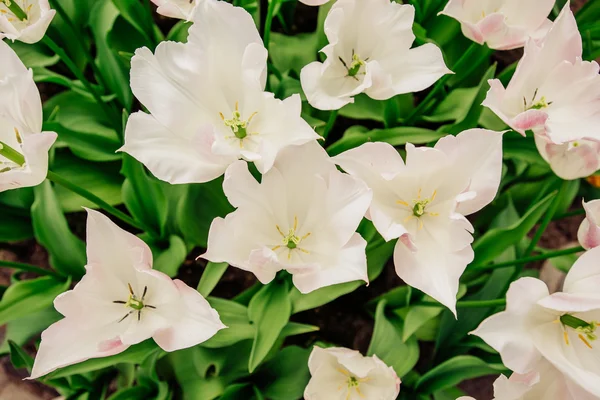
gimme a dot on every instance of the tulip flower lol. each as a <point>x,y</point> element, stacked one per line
<point>207,101</point>
<point>23,147</point>
<point>314,2</point>
<point>423,203</point>
<point>571,160</point>
<point>558,328</point>
<point>180,9</point>
<point>340,373</point>
<point>589,230</point>
<point>501,24</point>
<point>25,20</point>
<point>369,51</point>
<point>301,218</point>
<point>554,94</point>
<point>122,301</point>
<point>546,382</point>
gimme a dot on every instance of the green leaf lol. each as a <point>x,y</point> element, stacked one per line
<point>93,147</point>
<point>102,18</point>
<point>137,16</point>
<point>24,298</point>
<point>450,373</point>
<point>417,317</point>
<point>136,354</point>
<point>495,241</point>
<point>454,107</point>
<point>179,32</point>
<point>365,107</point>
<point>19,358</point>
<point>213,272</point>
<point>21,329</point>
<point>103,180</point>
<point>357,135</point>
<point>235,317</point>
<point>269,311</point>
<point>33,55</point>
<point>237,391</point>
<point>133,393</point>
<point>67,252</point>
<point>387,343</point>
<point>292,52</point>
<point>286,375</point>
<point>294,328</point>
<point>169,260</point>
<point>14,226</point>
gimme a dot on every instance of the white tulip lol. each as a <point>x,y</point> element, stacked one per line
<point>423,203</point>
<point>180,9</point>
<point>501,24</point>
<point>29,27</point>
<point>207,101</point>
<point>559,328</point>
<point>23,145</point>
<point>122,301</point>
<point>343,374</point>
<point>589,230</point>
<point>302,218</point>
<point>369,51</point>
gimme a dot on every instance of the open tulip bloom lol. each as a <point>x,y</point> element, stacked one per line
<point>554,93</point>
<point>339,373</point>
<point>207,101</point>
<point>302,218</point>
<point>25,20</point>
<point>559,328</point>
<point>369,52</point>
<point>424,201</point>
<point>122,301</point>
<point>589,230</point>
<point>23,145</point>
<point>501,24</point>
<point>180,9</point>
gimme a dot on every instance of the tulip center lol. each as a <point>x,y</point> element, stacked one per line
<point>16,159</point>
<point>134,303</point>
<point>419,207</point>
<point>353,383</point>
<point>291,240</point>
<point>15,10</point>
<point>540,104</point>
<point>586,331</point>
<point>238,125</point>
<point>354,66</point>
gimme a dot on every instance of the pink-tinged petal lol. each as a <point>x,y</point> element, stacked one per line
<point>35,149</point>
<point>172,157</point>
<point>195,322</point>
<point>516,387</point>
<point>563,41</point>
<point>589,230</point>
<point>477,155</point>
<point>68,342</point>
<point>497,101</point>
<point>508,331</point>
<point>417,70</point>
<point>350,265</point>
<point>584,275</point>
<point>573,160</point>
<point>530,120</point>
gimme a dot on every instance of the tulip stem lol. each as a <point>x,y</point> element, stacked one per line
<point>527,260</point>
<point>110,113</point>
<point>330,123</point>
<point>95,199</point>
<point>440,84</point>
<point>11,154</point>
<point>466,303</point>
<point>29,268</point>
<point>16,9</point>
<point>268,23</point>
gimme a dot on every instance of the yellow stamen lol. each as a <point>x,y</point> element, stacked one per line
<point>275,248</point>
<point>566,337</point>
<point>279,230</point>
<point>583,339</point>
<point>403,203</point>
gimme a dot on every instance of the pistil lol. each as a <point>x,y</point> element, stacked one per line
<point>15,9</point>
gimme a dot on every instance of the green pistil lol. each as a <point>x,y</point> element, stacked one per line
<point>15,9</point>
<point>237,126</point>
<point>586,328</point>
<point>355,66</point>
<point>11,154</point>
<point>419,208</point>
<point>540,104</point>
<point>353,382</point>
<point>134,303</point>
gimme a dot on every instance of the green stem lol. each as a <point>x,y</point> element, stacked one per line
<point>11,154</point>
<point>28,268</point>
<point>330,123</point>
<point>16,9</point>
<point>79,39</point>
<point>440,85</point>
<point>268,23</point>
<point>527,260</point>
<point>95,199</point>
<point>467,303</point>
<point>110,113</point>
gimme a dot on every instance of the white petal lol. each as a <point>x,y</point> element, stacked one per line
<point>314,2</point>
<point>476,154</point>
<point>194,322</point>
<point>578,159</point>
<point>508,331</point>
<point>33,29</point>
<point>584,275</point>
<point>181,9</point>
<point>589,231</point>
<point>170,156</point>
